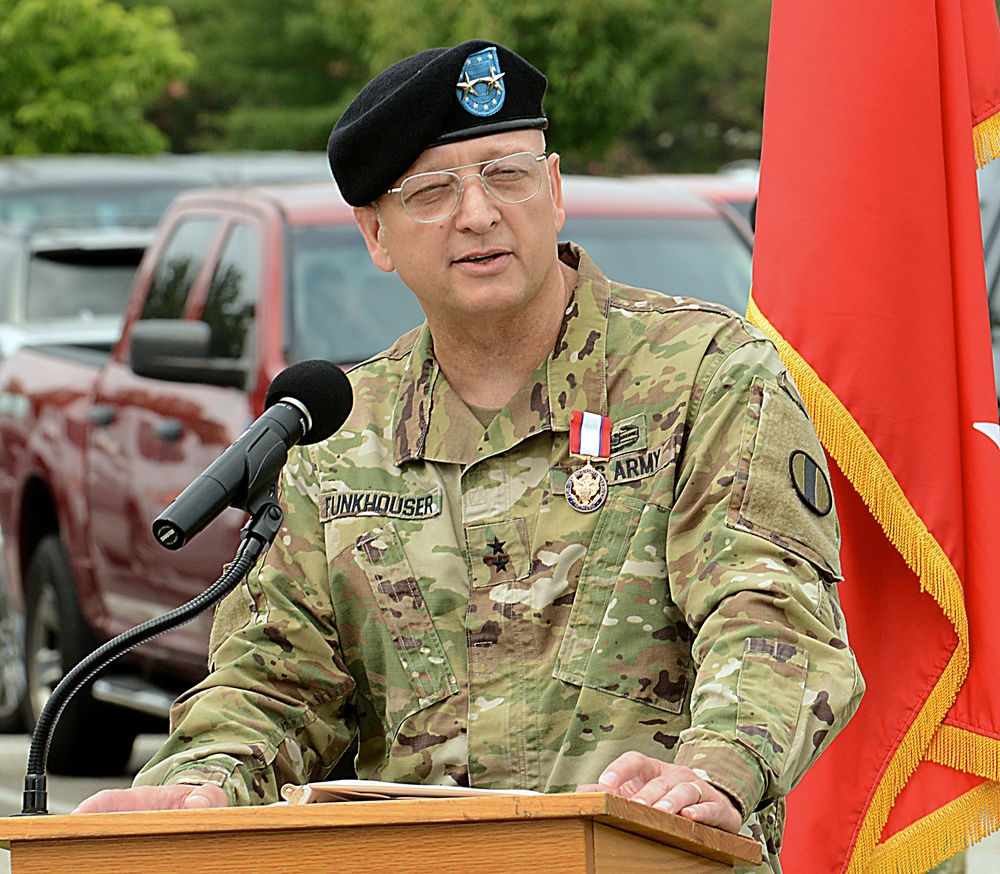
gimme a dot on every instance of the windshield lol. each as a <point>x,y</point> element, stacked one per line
<point>342,307</point>
<point>80,283</point>
<point>703,258</point>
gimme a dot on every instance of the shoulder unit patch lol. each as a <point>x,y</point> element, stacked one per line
<point>810,482</point>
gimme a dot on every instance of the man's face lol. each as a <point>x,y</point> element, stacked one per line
<point>486,259</point>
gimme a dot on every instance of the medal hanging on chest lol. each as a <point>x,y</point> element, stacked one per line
<point>589,438</point>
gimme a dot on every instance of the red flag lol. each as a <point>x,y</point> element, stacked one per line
<point>868,274</point>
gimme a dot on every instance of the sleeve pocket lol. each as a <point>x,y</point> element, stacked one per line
<point>782,490</point>
<point>770,691</point>
<point>233,613</point>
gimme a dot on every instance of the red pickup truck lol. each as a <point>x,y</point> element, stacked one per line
<point>237,284</point>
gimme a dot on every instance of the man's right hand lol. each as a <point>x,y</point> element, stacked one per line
<point>176,797</point>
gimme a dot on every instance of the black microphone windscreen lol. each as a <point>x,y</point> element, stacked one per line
<point>322,388</point>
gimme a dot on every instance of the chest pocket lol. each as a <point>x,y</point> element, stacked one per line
<point>421,675</point>
<point>624,635</point>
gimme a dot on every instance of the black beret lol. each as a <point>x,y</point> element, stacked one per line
<point>434,97</point>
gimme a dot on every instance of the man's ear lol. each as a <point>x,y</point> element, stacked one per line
<point>556,191</point>
<point>374,234</point>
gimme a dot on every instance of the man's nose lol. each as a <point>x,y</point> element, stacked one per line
<point>476,206</point>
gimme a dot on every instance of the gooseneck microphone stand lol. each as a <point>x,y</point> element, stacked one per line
<point>256,537</point>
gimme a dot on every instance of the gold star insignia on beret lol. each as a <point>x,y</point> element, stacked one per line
<point>494,80</point>
<point>466,84</point>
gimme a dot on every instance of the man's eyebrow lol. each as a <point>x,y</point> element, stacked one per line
<point>491,155</point>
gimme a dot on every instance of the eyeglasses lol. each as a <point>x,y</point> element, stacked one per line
<point>432,197</point>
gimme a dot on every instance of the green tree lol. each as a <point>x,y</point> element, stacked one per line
<point>634,85</point>
<point>708,99</point>
<point>79,75</point>
<point>595,54</point>
<point>279,75</point>
<point>268,76</point>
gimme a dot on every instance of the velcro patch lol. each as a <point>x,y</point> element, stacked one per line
<point>341,504</point>
<point>628,435</point>
<point>781,490</point>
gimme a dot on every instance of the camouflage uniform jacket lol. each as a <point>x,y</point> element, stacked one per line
<point>433,591</point>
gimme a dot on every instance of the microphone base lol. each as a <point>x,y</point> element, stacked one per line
<point>36,797</point>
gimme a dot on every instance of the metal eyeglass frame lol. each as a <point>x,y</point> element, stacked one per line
<point>450,171</point>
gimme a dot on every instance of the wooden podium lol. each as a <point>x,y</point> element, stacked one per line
<point>590,833</point>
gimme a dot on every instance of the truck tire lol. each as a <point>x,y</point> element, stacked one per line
<point>13,683</point>
<point>91,738</point>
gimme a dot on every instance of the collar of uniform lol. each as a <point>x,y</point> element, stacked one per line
<point>431,422</point>
<point>577,370</point>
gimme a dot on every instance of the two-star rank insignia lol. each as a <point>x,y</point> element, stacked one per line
<point>499,559</point>
<point>480,89</point>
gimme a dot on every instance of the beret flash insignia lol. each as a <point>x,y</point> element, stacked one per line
<point>480,89</point>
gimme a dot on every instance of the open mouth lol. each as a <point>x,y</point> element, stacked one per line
<point>482,259</point>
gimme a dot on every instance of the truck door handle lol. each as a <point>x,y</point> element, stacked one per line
<point>101,414</point>
<point>169,429</point>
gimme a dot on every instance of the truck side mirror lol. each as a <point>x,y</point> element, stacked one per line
<point>179,350</point>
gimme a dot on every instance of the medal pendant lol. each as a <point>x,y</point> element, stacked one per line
<point>586,489</point>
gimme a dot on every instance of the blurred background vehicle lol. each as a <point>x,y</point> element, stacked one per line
<point>103,190</point>
<point>12,676</point>
<point>66,285</point>
<point>989,212</point>
<point>733,186</point>
<point>73,229</point>
<point>668,237</point>
<point>96,190</point>
<point>237,283</point>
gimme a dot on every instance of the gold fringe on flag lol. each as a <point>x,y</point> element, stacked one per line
<point>986,136</point>
<point>863,466</point>
<point>966,751</point>
<point>942,834</point>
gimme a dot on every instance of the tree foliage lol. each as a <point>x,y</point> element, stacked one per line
<point>591,51</point>
<point>79,75</point>
<point>708,101</point>
<point>634,85</point>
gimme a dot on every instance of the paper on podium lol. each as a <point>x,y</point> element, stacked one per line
<point>377,790</point>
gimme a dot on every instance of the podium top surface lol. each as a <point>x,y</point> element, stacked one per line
<point>657,825</point>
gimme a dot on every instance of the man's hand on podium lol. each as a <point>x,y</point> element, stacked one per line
<point>673,788</point>
<point>177,797</point>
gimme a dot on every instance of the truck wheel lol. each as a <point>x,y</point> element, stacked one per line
<point>13,684</point>
<point>91,738</point>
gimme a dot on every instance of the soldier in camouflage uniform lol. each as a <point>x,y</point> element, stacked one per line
<point>485,597</point>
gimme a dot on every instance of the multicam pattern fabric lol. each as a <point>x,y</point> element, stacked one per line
<point>433,592</point>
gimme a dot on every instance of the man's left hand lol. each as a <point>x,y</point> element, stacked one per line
<point>673,788</point>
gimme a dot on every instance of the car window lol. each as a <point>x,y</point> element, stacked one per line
<point>10,268</point>
<point>79,283</point>
<point>232,297</point>
<point>341,306</point>
<point>703,258</point>
<point>178,267</point>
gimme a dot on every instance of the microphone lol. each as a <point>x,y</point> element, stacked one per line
<point>305,403</point>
